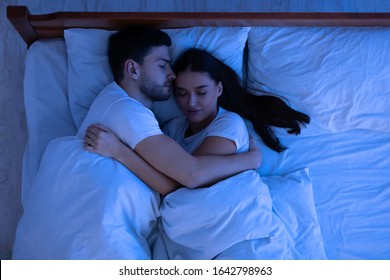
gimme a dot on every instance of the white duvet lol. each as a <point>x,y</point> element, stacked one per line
<point>85,206</point>
<point>244,217</point>
<point>201,223</point>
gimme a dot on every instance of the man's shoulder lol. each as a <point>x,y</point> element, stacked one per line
<point>113,89</point>
<point>114,96</point>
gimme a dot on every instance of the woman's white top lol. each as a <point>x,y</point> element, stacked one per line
<point>226,124</point>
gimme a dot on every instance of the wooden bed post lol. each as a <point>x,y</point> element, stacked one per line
<point>18,16</point>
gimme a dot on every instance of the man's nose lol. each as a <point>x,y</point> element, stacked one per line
<point>171,75</point>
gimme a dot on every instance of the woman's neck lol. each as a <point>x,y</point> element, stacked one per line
<point>195,127</point>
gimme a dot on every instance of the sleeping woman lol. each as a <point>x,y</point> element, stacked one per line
<point>214,104</point>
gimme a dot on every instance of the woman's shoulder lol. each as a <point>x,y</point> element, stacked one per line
<point>228,116</point>
<point>231,126</point>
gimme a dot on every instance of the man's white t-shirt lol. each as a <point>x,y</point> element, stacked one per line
<point>130,120</point>
<point>226,124</point>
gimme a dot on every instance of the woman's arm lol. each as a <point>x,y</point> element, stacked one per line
<point>215,145</point>
<point>103,141</point>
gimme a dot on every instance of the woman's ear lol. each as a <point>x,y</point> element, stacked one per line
<point>131,69</point>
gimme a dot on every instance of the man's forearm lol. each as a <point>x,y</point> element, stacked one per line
<point>149,175</point>
<point>169,158</point>
<point>211,169</point>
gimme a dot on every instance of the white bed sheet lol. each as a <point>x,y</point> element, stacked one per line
<point>350,171</point>
<point>340,77</point>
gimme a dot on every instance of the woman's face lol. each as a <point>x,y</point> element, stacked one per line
<point>197,95</point>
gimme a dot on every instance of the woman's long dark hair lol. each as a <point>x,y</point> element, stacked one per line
<point>263,111</point>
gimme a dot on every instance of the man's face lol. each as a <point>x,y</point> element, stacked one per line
<point>156,74</point>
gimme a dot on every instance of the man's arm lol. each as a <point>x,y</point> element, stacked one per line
<point>164,154</point>
<point>149,175</point>
<point>103,141</point>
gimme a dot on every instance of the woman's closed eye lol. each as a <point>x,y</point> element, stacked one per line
<point>180,92</point>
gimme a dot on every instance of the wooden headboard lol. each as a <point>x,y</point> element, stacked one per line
<point>34,27</point>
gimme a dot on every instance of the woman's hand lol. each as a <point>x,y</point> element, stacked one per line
<point>255,153</point>
<point>101,140</point>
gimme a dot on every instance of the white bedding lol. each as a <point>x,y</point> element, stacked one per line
<point>45,99</point>
<point>330,190</point>
<point>202,223</point>
<point>350,172</point>
<point>339,75</point>
<point>85,206</point>
<point>244,217</point>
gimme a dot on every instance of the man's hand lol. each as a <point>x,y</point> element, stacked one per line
<point>101,140</point>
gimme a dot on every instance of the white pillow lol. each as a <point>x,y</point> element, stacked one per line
<point>89,70</point>
<point>46,103</point>
<point>340,76</point>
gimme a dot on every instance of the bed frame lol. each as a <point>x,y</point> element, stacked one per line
<point>34,27</point>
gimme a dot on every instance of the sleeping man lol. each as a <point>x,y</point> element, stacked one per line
<point>84,206</point>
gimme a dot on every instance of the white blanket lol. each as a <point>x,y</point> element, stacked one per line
<point>85,206</point>
<point>201,223</point>
<point>244,217</point>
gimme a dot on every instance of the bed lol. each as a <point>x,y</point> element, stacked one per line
<point>329,191</point>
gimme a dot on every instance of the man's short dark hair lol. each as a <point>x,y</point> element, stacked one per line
<point>133,43</point>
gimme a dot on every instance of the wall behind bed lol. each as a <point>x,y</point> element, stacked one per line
<point>13,134</point>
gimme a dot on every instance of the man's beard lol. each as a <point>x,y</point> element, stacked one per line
<point>153,90</point>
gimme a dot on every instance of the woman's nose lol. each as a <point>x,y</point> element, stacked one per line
<point>192,100</point>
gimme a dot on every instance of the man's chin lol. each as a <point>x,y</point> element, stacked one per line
<point>167,95</point>
<point>164,97</point>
